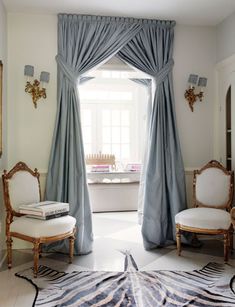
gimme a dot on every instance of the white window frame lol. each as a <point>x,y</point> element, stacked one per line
<point>137,118</point>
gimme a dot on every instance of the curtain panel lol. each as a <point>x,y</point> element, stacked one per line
<point>84,42</point>
<point>163,180</point>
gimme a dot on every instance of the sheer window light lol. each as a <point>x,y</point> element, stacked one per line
<point>113,118</point>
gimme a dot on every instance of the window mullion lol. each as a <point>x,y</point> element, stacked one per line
<point>99,129</point>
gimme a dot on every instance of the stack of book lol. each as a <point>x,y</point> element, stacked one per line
<point>45,210</point>
<point>100,168</point>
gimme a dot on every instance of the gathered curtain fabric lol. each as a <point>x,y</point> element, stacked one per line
<point>84,42</point>
<point>163,180</point>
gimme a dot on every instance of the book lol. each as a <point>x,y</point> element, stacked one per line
<point>25,211</point>
<point>100,168</point>
<point>40,213</point>
<point>48,217</point>
<point>44,208</point>
<point>44,205</point>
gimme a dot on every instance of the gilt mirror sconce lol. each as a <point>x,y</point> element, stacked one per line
<point>190,94</point>
<point>36,88</point>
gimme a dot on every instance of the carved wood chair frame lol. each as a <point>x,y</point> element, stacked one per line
<point>227,234</point>
<point>10,213</point>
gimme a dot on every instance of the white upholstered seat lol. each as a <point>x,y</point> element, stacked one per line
<point>204,218</point>
<point>212,198</point>
<point>38,228</point>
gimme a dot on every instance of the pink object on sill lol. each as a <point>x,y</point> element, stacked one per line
<point>133,167</point>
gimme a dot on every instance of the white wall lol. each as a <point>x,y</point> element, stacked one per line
<point>32,39</point>
<point>194,52</point>
<point>225,42</point>
<point>225,58</point>
<point>225,77</point>
<point>3,58</point>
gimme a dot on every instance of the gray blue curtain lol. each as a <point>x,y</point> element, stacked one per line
<point>83,43</point>
<point>151,51</point>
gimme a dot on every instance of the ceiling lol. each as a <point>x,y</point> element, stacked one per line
<point>190,12</point>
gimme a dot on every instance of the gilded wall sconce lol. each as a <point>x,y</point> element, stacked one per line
<point>190,94</point>
<point>34,88</point>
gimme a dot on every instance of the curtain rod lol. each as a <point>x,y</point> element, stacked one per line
<point>142,21</point>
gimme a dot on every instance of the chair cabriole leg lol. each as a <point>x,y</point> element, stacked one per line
<point>40,250</point>
<point>178,239</point>
<point>36,247</point>
<point>231,239</point>
<point>226,246</point>
<point>9,252</point>
<point>71,248</point>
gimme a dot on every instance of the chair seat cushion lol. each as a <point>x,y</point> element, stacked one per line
<point>39,228</point>
<point>204,218</point>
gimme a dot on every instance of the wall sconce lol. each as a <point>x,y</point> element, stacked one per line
<point>34,88</point>
<point>189,94</point>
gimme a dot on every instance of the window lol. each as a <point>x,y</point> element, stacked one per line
<point>113,116</point>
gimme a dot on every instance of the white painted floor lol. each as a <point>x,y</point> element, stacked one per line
<point>113,233</point>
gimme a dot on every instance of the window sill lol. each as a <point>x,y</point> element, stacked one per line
<point>113,177</point>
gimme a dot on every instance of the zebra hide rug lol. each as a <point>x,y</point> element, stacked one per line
<point>213,285</point>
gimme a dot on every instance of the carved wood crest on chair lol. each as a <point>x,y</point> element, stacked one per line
<point>213,188</point>
<point>21,185</point>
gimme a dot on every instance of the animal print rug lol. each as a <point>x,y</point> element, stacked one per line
<point>213,285</point>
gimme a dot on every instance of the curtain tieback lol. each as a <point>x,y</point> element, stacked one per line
<point>164,71</point>
<point>68,72</point>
